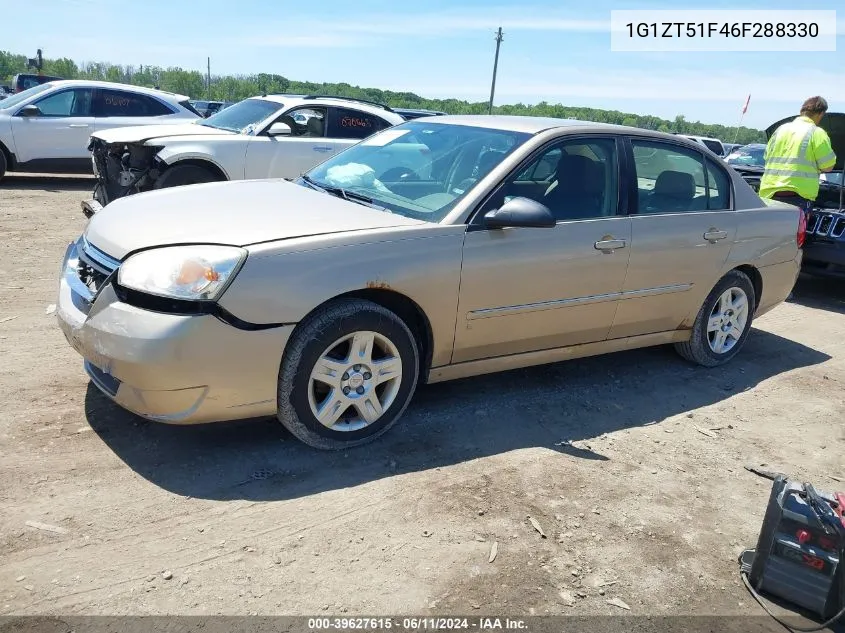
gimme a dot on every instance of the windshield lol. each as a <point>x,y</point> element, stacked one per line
<point>834,177</point>
<point>12,101</point>
<point>242,115</point>
<point>418,169</point>
<point>747,156</point>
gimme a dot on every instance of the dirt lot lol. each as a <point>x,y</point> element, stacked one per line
<point>239,518</point>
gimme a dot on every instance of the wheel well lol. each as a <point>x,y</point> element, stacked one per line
<point>198,162</point>
<point>756,281</point>
<point>10,160</point>
<point>407,310</point>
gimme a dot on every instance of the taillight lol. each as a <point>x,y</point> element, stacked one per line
<point>802,228</point>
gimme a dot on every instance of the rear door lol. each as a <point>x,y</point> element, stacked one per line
<point>121,108</point>
<point>348,126</point>
<point>59,132</point>
<point>683,229</point>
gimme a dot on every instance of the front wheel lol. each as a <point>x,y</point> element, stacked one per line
<point>723,323</point>
<point>347,375</point>
<point>180,175</point>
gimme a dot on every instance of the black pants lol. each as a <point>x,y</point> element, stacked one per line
<point>790,197</point>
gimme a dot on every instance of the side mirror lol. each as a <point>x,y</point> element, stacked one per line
<point>279,129</point>
<point>520,212</point>
<point>29,111</point>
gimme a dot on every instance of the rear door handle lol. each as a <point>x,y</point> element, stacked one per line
<point>321,148</point>
<point>714,235</point>
<point>610,245</point>
<point>78,125</point>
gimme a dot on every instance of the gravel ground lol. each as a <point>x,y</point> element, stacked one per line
<point>630,464</point>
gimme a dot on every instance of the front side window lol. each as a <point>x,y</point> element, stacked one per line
<point>671,179</point>
<point>67,103</point>
<point>418,169</point>
<point>353,124</point>
<point>307,122</point>
<point>576,179</point>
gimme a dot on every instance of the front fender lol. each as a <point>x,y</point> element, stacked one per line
<point>230,164</point>
<point>285,281</point>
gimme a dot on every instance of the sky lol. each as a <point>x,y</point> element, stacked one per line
<point>557,51</point>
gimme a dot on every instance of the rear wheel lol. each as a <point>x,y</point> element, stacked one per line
<point>180,175</point>
<point>347,375</point>
<point>723,323</point>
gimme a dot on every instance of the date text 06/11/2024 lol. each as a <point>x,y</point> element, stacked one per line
<point>416,624</point>
<point>725,29</point>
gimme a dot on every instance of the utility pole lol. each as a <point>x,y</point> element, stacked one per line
<point>208,80</point>
<point>495,69</point>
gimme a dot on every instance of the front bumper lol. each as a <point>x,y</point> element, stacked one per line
<point>171,368</point>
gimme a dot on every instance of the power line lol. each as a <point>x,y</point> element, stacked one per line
<point>499,39</point>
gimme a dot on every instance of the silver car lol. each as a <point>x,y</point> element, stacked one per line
<point>326,300</point>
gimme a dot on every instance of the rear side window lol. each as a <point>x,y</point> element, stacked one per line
<point>113,103</point>
<point>670,178</point>
<point>345,123</point>
<point>718,188</point>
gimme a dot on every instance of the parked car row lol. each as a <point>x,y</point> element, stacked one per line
<point>360,251</point>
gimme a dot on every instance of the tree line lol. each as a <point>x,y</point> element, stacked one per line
<point>236,87</point>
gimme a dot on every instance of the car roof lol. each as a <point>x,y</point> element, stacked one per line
<point>536,125</point>
<point>92,83</point>
<point>291,100</point>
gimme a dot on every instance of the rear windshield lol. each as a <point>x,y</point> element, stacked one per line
<point>713,146</point>
<point>189,107</point>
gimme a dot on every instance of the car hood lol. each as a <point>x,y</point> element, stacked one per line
<point>236,213</point>
<point>141,133</point>
<point>834,124</point>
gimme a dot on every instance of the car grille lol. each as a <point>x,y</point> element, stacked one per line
<point>93,267</point>
<point>825,224</point>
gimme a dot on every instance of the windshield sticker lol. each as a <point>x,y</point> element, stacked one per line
<point>382,139</point>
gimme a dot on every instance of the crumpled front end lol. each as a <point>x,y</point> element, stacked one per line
<point>123,169</point>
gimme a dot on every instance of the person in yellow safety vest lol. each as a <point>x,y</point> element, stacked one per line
<point>795,155</point>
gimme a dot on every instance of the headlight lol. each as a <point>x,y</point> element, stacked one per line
<point>182,272</point>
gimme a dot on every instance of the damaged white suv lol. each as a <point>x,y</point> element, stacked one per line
<point>271,136</point>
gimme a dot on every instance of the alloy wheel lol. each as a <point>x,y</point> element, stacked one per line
<point>727,320</point>
<point>354,381</point>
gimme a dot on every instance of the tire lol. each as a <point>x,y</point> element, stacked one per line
<point>702,348</point>
<point>325,336</point>
<point>3,163</point>
<point>180,175</point>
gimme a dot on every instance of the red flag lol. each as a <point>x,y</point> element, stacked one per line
<point>745,107</point>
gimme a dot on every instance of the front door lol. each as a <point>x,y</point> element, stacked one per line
<point>528,289</point>
<point>60,131</point>
<point>682,234</point>
<point>288,156</point>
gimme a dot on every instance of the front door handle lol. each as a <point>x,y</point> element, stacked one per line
<point>609,245</point>
<point>714,235</point>
<point>78,125</point>
<point>322,148</point>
